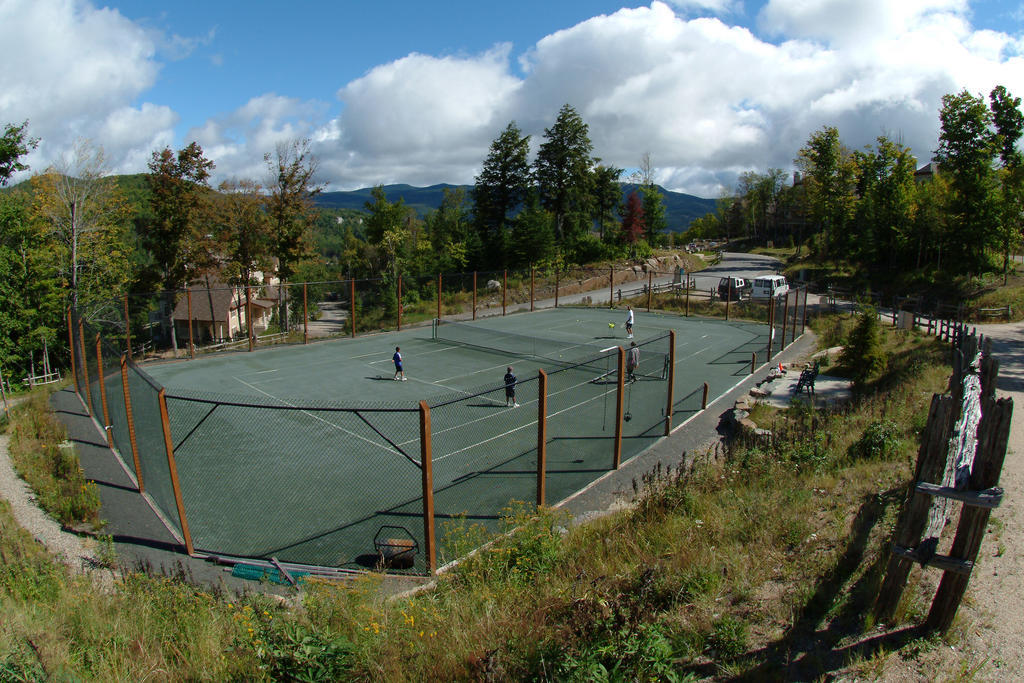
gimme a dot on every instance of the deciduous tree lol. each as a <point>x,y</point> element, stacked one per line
<point>13,146</point>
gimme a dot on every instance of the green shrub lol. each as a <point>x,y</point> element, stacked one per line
<point>880,441</point>
<point>864,356</point>
<point>728,638</point>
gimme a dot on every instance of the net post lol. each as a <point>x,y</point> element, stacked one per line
<point>542,434</point>
<point>305,313</point>
<point>191,343</point>
<point>670,402</point>
<point>803,318</point>
<point>85,366</point>
<point>439,296</point>
<point>248,314</point>
<point>427,469</point>
<point>611,287</point>
<point>71,347</point>
<point>352,306</point>
<point>619,395</point>
<point>103,392</point>
<point>753,361</point>
<point>474,295</point>
<point>728,298</point>
<point>556,286</point>
<point>127,328</point>
<point>131,422</point>
<point>785,319</point>
<point>771,325</point>
<point>704,398</point>
<point>531,287</point>
<point>650,288</point>
<point>173,467</point>
<point>504,290</point>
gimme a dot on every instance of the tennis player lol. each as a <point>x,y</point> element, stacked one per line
<point>510,389</point>
<point>632,361</point>
<point>399,371</point>
<point>629,322</point>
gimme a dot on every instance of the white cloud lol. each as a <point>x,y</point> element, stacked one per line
<point>78,71</point>
<point>705,98</point>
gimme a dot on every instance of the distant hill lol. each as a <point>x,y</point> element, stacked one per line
<point>680,209</point>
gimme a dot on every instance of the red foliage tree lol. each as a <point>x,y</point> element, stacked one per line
<point>633,224</point>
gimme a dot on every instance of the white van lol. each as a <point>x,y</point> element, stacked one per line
<point>768,287</point>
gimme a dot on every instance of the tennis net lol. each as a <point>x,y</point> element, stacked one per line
<point>559,353</point>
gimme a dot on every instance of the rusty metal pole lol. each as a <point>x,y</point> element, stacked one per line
<point>248,315</point>
<point>504,290</point>
<point>173,467</point>
<point>305,313</point>
<point>474,295</point>
<point>352,305</point>
<point>611,287</point>
<point>439,296</point>
<point>131,423</point>
<point>556,286</point>
<point>650,288</point>
<point>531,288</point>
<point>619,396</point>
<point>191,343</point>
<point>399,303</point>
<point>103,393</point>
<point>127,328</point>
<point>427,470</point>
<point>542,434</point>
<point>671,381</point>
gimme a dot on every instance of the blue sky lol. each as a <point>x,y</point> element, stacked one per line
<point>415,92</point>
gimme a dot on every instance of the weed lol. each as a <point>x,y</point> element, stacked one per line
<point>880,441</point>
<point>728,638</point>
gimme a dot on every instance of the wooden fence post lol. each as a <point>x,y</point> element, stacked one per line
<point>173,467</point>
<point>650,288</point>
<point>556,286</point>
<point>753,361</point>
<point>427,469</point>
<point>994,434</point>
<point>542,434</point>
<point>803,318</point>
<point>704,398</point>
<point>620,391</point>
<point>914,516</point>
<point>474,295</point>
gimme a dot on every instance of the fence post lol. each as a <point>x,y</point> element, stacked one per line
<point>556,286</point>
<point>127,328</point>
<point>173,467</point>
<point>542,434</point>
<point>704,398</point>
<point>803,318</point>
<point>650,288</point>
<point>248,314</point>
<point>687,298</point>
<point>305,311</point>
<point>504,290</point>
<point>474,295</point>
<point>611,287</point>
<point>85,366</point>
<point>771,325</point>
<point>785,319</point>
<point>620,390</point>
<point>994,433</point>
<point>753,361</point>
<point>728,298</point>
<point>131,422</point>
<point>399,302</point>
<point>191,343</point>
<point>531,287</point>
<point>914,517</point>
<point>103,393</point>
<point>352,306</point>
<point>439,296</point>
<point>796,303</point>
<point>427,469</point>
<point>671,381</point>
<point>71,348</point>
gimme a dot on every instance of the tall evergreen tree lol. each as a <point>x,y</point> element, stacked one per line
<point>967,151</point>
<point>563,172</point>
<point>502,187</point>
<point>607,198</point>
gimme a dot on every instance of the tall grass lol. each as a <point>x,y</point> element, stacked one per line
<point>730,564</point>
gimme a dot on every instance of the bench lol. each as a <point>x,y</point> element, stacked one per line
<point>806,381</point>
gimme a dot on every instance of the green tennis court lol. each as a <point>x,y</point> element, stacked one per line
<point>308,453</point>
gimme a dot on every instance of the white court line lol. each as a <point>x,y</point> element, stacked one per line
<point>317,417</point>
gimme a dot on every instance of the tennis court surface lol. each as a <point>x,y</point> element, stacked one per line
<point>310,453</point>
